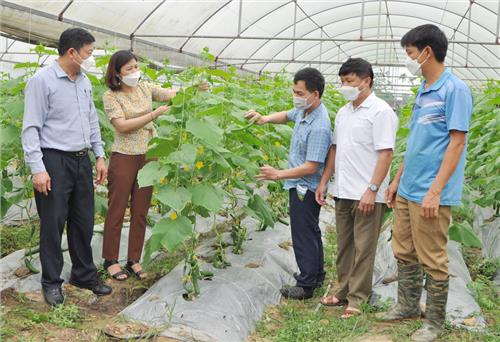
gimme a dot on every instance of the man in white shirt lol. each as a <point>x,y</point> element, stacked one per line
<point>361,154</point>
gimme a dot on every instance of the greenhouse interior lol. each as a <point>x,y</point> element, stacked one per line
<point>229,148</point>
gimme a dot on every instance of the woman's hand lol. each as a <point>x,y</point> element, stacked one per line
<point>160,111</point>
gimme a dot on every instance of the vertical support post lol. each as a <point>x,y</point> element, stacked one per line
<point>320,50</point>
<point>294,29</point>
<point>378,28</point>
<point>498,24</point>
<point>362,19</point>
<point>468,34</point>
<point>385,42</point>
<point>239,17</point>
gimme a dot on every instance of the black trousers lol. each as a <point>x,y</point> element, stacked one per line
<point>306,239</point>
<point>71,203</point>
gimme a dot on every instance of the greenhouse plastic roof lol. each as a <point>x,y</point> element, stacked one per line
<point>269,36</point>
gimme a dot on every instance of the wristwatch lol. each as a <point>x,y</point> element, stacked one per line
<point>373,187</point>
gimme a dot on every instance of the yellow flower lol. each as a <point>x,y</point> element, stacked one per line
<point>199,165</point>
<point>163,181</point>
<point>277,144</point>
<point>238,174</point>
<point>199,150</point>
<point>184,136</point>
<point>266,157</point>
<point>173,216</point>
<point>185,168</point>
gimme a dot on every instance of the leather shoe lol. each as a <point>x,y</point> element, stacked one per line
<point>297,292</point>
<point>99,289</point>
<point>53,296</point>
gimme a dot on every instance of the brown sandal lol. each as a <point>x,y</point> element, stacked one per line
<point>328,301</point>
<point>350,312</point>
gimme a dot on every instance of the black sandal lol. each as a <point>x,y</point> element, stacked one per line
<point>138,274</point>
<point>108,263</point>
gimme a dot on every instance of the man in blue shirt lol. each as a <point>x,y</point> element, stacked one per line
<point>60,125</point>
<point>311,140</point>
<point>429,181</point>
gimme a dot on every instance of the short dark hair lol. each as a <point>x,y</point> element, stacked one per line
<point>313,79</point>
<point>74,38</point>
<point>358,67</point>
<point>116,62</point>
<point>427,35</point>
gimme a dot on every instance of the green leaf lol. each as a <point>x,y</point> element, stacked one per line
<point>250,212</point>
<point>169,120</point>
<point>182,97</point>
<point>93,79</point>
<point>243,186</point>
<point>262,209</point>
<point>159,147</point>
<point>220,73</point>
<point>5,186</point>
<point>173,232</point>
<point>205,130</point>
<point>214,110</point>
<point>102,61</point>
<point>186,155</point>
<point>462,233</point>
<point>42,50</point>
<point>480,169</point>
<point>284,130</point>
<point>246,164</point>
<point>104,120</point>
<point>4,206</point>
<point>219,159</point>
<point>207,196</point>
<point>19,194</point>
<point>174,198</point>
<point>166,131</point>
<point>101,205</point>
<point>8,135</point>
<point>152,74</point>
<point>152,245</point>
<point>13,86</point>
<point>26,65</point>
<point>150,174</point>
<point>240,104</point>
<point>206,55</point>
<point>14,107</point>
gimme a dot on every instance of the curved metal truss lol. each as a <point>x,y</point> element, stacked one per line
<point>261,36</point>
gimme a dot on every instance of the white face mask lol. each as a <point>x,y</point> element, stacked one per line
<point>414,66</point>
<point>87,64</point>
<point>132,79</point>
<point>301,103</point>
<point>349,93</point>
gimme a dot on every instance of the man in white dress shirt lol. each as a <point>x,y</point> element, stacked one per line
<point>361,154</point>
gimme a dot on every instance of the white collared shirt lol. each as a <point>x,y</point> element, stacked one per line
<point>358,135</point>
